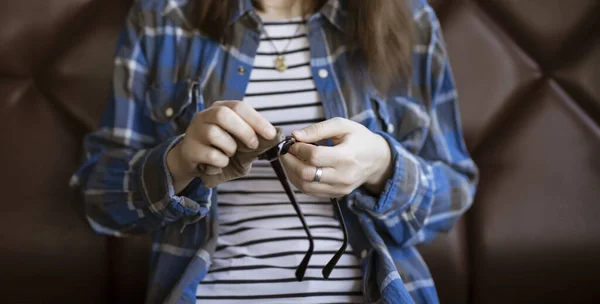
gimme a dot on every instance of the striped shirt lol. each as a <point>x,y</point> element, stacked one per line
<point>166,71</point>
<point>261,240</point>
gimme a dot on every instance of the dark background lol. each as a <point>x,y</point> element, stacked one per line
<point>528,74</point>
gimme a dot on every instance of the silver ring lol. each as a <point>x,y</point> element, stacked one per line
<point>318,175</point>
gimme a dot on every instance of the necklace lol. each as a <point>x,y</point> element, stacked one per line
<point>280,59</point>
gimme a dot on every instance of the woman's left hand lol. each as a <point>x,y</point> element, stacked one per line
<point>358,157</point>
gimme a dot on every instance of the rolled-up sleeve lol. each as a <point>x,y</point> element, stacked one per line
<point>434,179</point>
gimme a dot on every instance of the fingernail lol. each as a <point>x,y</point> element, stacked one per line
<point>254,143</point>
<point>299,133</point>
<point>270,131</point>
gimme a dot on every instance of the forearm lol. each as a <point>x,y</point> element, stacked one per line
<point>421,198</point>
<point>181,178</point>
<point>383,168</point>
<point>130,191</point>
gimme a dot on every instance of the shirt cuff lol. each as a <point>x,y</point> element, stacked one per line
<point>158,190</point>
<point>399,188</point>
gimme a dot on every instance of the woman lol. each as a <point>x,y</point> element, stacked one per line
<point>197,82</point>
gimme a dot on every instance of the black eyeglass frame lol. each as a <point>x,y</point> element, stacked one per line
<point>272,155</point>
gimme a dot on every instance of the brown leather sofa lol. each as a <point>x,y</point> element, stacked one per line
<point>528,74</point>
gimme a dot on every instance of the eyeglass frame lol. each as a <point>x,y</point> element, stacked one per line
<point>272,155</point>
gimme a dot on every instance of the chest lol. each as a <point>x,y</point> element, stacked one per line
<point>199,72</point>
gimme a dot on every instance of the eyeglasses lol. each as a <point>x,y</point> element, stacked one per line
<point>272,155</point>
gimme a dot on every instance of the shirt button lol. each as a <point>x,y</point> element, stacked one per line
<point>390,128</point>
<point>241,70</point>
<point>169,112</point>
<point>364,253</point>
<point>323,73</point>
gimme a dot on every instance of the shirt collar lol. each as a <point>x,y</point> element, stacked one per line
<point>243,7</point>
<point>335,11</point>
<point>179,10</point>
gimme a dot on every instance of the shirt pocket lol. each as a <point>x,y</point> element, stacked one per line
<point>172,105</point>
<point>382,114</point>
<point>405,118</point>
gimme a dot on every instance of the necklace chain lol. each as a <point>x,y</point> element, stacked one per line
<point>280,60</point>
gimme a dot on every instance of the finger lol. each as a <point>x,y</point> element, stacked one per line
<point>320,156</point>
<point>199,153</point>
<point>319,189</point>
<point>324,130</point>
<point>231,122</point>
<point>208,169</point>
<point>302,172</point>
<point>260,125</point>
<point>324,190</point>
<point>214,135</point>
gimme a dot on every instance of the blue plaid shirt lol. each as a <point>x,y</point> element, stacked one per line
<point>166,71</point>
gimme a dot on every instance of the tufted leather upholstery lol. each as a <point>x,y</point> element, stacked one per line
<point>528,76</point>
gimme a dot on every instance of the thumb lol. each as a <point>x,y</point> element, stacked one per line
<point>323,130</point>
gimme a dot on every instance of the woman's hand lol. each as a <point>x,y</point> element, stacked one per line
<point>209,140</point>
<point>358,157</point>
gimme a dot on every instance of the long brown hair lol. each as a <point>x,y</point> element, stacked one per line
<point>379,33</point>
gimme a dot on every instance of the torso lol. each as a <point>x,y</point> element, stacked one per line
<point>261,241</point>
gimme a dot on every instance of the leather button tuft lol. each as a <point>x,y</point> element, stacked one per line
<point>241,70</point>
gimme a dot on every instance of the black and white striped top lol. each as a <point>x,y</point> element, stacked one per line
<point>261,240</point>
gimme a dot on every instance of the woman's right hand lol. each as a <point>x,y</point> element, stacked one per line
<point>209,140</point>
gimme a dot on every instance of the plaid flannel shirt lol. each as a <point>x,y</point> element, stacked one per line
<point>166,71</point>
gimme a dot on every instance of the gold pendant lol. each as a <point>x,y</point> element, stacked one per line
<point>280,64</point>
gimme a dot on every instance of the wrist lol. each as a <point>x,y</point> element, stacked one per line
<point>179,173</point>
<point>383,164</point>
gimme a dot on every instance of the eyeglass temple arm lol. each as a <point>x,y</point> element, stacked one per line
<point>329,267</point>
<point>273,156</point>
<point>278,168</point>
